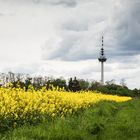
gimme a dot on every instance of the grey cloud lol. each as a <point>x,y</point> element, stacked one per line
<point>68,3</point>
<point>70,48</point>
<point>127,29</point>
<point>75,35</point>
<point>7,14</point>
<point>29,69</point>
<point>1,14</point>
<point>75,26</point>
<point>81,35</point>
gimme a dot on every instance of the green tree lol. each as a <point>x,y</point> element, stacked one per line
<point>84,85</point>
<point>74,85</point>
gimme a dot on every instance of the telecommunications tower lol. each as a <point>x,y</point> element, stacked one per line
<point>102,59</point>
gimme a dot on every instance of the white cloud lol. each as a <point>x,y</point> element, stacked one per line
<point>63,38</point>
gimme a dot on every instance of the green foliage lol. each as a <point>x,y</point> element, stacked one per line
<point>27,83</point>
<point>80,84</point>
<point>74,85</point>
<point>59,82</point>
<point>84,85</point>
<point>111,88</point>
<point>104,121</point>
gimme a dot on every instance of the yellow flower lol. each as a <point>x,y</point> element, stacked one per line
<point>21,105</point>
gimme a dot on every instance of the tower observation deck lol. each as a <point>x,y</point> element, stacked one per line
<point>102,58</point>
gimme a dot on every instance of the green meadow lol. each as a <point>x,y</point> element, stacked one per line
<point>104,121</point>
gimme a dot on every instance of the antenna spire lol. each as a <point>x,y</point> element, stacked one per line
<point>102,41</point>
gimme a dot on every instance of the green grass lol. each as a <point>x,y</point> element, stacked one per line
<point>104,121</point>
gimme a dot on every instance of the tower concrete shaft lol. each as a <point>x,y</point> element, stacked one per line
<point>102,72</point>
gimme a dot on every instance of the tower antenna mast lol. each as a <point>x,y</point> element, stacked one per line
<point>102,59</point>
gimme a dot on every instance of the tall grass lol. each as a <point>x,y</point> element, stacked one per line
<point>104,121</point>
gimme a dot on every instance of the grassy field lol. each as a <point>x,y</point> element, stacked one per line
<point>105,121</point>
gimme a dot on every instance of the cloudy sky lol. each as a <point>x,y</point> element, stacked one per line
<point>63,38</point>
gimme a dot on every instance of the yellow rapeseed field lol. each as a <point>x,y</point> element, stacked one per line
<point>18,105</point>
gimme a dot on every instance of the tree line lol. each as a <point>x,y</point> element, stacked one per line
<point>73,84</point>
